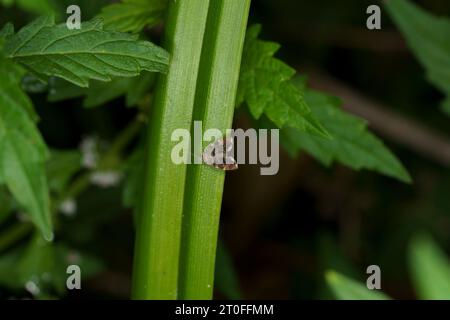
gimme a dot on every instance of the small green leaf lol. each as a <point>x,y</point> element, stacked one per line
<point>22,149</point>
<point>430,269</point>
<point>265,87</point>
<point>61,167</point>
<point>352,144</point>
<point>345,288</point>
<point>428,36</point>
<point>80,55</point>
<point>133,15</point>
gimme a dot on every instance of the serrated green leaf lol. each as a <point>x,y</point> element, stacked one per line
<point>352,144</point>
<point>430,269</point>
<point>81,55</point>
<point>61,167</point>
<point>345,288</point>
<point>133,15</point>
<point>22,150</point>
<point>265,87</point>
<point>428,36</point>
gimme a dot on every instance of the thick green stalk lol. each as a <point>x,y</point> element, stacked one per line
<point>159,226</point>
<point>214,105</point>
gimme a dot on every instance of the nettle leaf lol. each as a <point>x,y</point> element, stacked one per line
<point>430,269</point>
<point>428,36</point>
<point>133,15</point>
<point>345,288</point>
<point>22,149</point>
<point>80,55</point>
<point>352,144</point>
<point>265,87</point>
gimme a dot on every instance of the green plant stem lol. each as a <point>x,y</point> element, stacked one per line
<point>158,232</point>
<point>215,104</point>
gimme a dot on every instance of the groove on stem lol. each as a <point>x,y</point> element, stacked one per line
<point>214,105</point>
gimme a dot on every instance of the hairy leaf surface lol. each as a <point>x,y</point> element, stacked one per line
<point>265,87</point>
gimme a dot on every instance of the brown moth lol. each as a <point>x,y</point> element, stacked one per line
<point>219,155</point>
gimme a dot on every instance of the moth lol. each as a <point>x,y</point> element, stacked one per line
<point>220,155</point>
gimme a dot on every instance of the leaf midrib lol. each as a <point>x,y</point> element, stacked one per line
<point>79,52</point>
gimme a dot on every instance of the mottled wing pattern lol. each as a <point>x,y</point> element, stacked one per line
<point>219,155</point>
